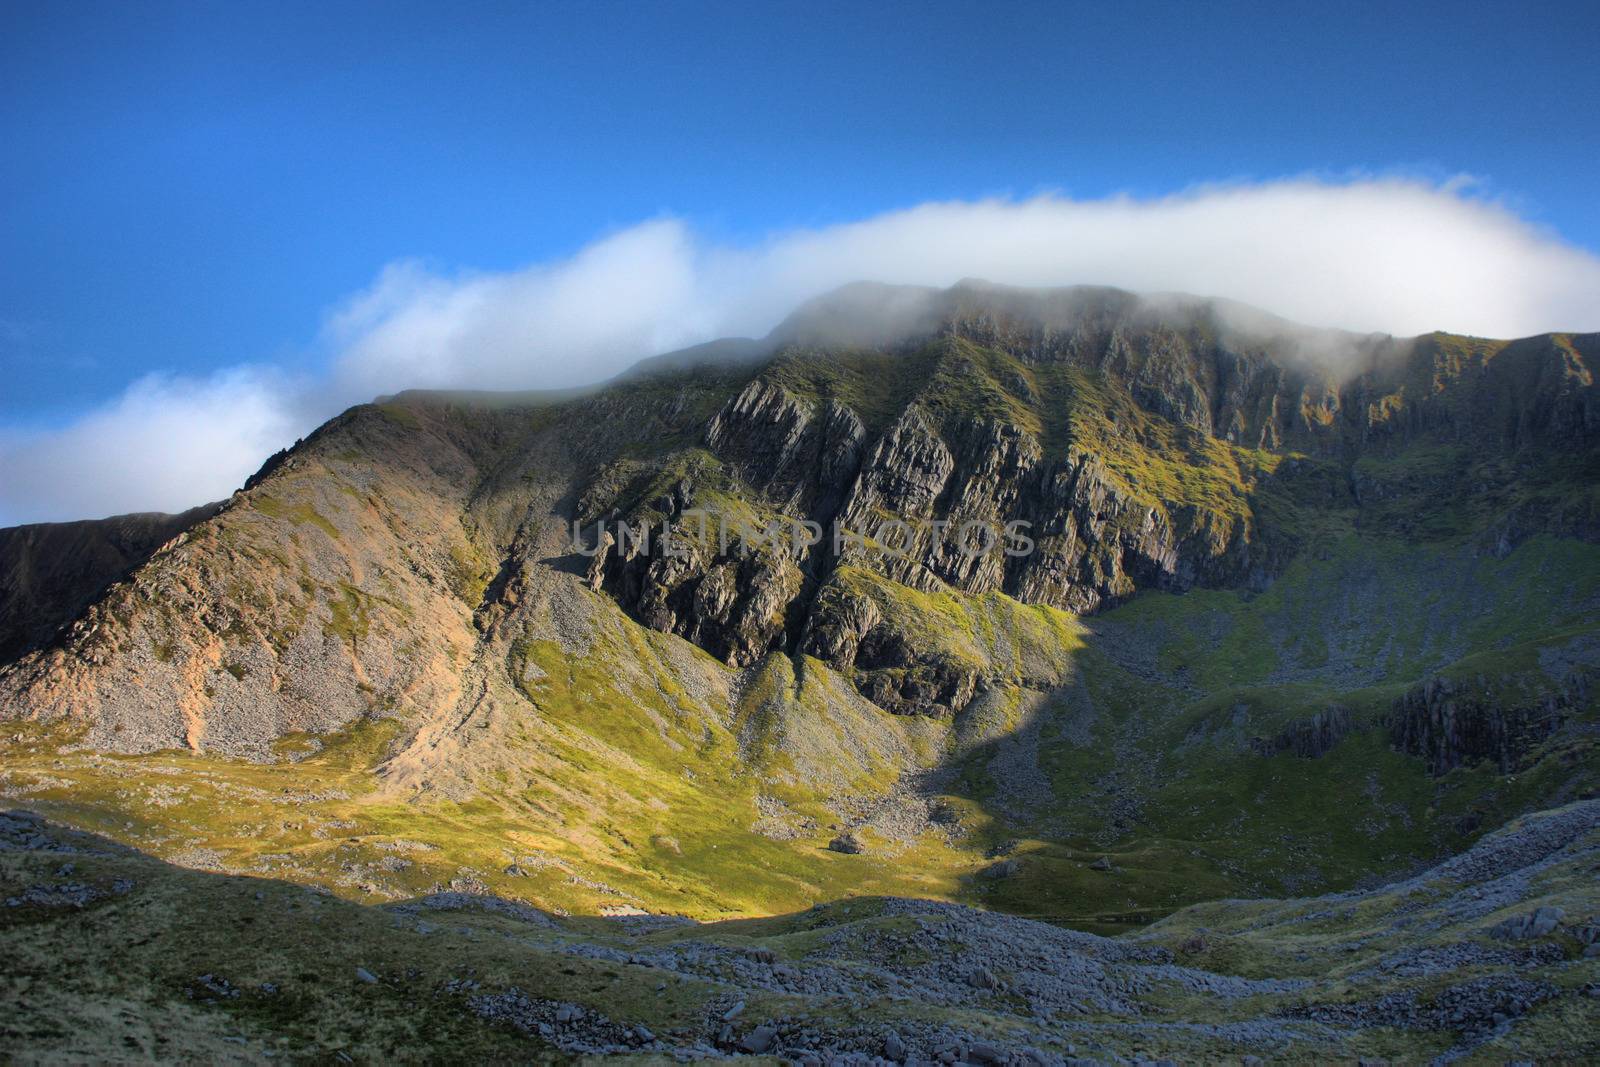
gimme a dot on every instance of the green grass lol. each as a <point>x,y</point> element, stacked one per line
<point>299,513</point>
<point>350,619</point>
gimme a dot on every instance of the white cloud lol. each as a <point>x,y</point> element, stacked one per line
<point>1403,257</point>
<point>621,298</point>
<point>1390,255</point>
<point>165,444</point>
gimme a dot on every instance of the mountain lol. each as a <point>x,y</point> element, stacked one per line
<point>1075,604</point>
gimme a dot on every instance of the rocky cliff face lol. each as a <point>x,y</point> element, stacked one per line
<point>1309,738</point>
<point>1454,722</point>
<point>1127,446</point>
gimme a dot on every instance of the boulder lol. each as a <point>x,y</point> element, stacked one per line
<point>849,844</point>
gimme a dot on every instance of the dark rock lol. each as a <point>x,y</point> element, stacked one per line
<point>981,1052</point>
<point>983,978</point>
<point>1451,723</point>
<point>1310,738</point>
<point>849,844</point>
<point>759,1040</point>
<point>1001,870</point>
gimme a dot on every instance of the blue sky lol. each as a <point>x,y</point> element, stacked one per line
<point>192,187</point>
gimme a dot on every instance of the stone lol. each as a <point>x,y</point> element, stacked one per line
<point>759,1040</point>
<point>983,978</point>
<point>982,1052</point>
<point>364,975</point>
<point>1453,723</point>
<point>1002,870</point>
<point>849,844</point>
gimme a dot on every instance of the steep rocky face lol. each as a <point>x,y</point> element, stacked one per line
<point>1457,722</point>
<point>731,602</point>
<point>1310,738</point>
<point>803,455</point>
<point>49,572</point>
<point>1067,450</point>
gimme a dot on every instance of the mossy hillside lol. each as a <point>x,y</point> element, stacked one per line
<point>1220,820</point>
<point>595,836</point>
<point>993,633</point>
<point>1320,937</point>
<point>1141,737</point>
<point>1417,491</point>
<point>1209,819</point>
<point>621,772</point>
<point>1355,610</point>
<point>1152,738</point>
<point>807,734</point>
<point>676,771</point>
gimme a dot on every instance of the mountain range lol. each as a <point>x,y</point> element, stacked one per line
<point>792,672</point>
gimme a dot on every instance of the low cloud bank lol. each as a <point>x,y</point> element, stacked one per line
<point>1396,256</point>
<point>166,444</point>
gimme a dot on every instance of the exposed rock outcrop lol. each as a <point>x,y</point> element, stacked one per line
<point>1309,738</point>
<point>1451,722</point>
<point>730,600</point>
<point>801,455</point>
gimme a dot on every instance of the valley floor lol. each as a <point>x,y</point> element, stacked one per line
<point>112,955</point>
